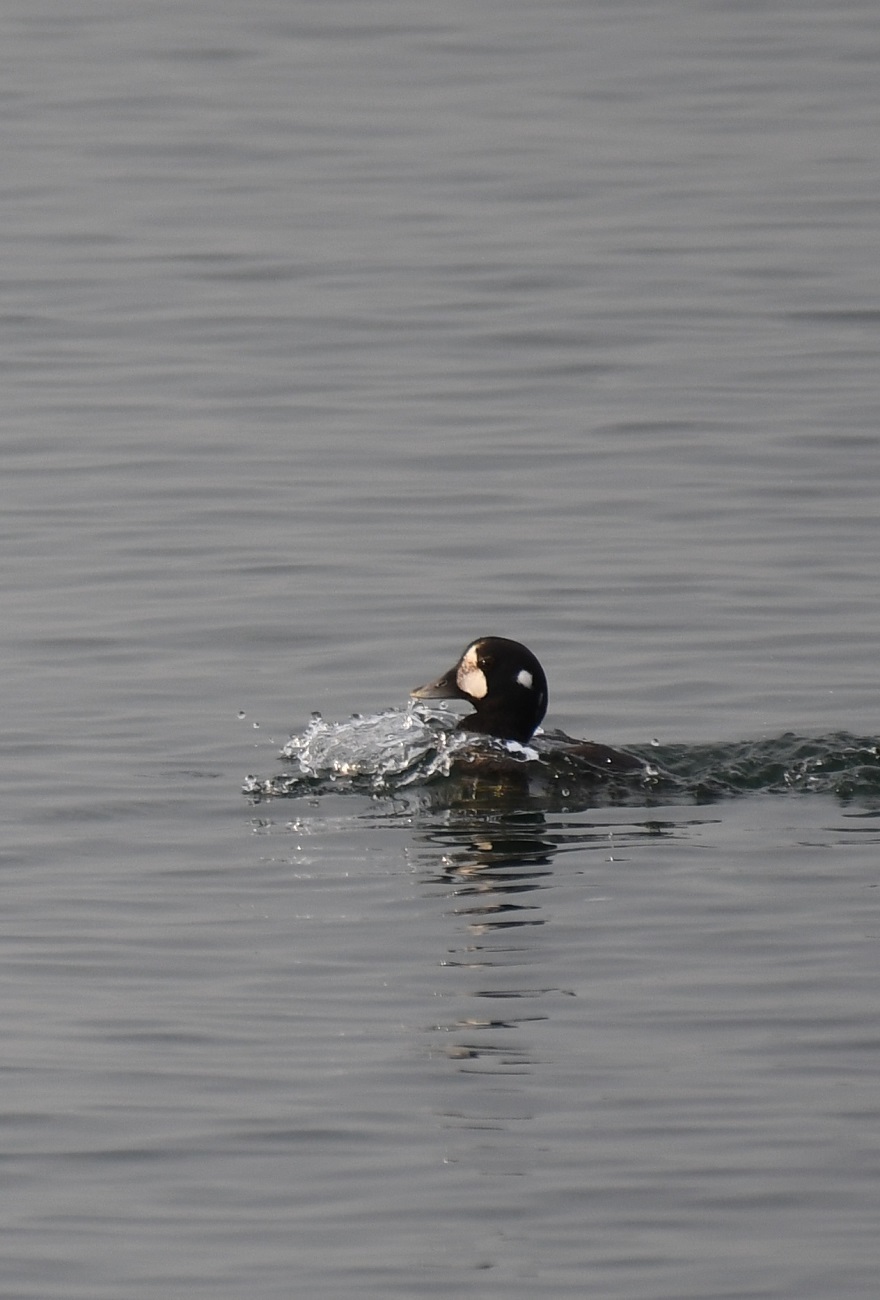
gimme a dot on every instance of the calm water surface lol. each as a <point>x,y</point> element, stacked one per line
<point>334,335</point>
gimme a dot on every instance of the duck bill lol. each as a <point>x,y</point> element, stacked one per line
<point>445,688</point>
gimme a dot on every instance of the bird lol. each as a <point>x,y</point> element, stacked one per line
<point>507,687</point>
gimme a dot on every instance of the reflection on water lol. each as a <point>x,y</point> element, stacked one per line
<point>500,981</point>
<point>593,1014</point>
<point>494,870</point>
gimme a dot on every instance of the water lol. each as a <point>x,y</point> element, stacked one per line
<point>333,337</point>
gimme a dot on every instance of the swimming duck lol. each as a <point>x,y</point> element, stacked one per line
<point>507,686</point>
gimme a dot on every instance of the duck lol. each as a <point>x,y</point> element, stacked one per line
<point>507,686</point>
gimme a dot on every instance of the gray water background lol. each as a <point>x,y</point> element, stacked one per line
<point>332,336</point>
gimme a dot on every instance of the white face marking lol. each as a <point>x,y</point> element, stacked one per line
<point>524,677</point>
<point>470,677</point>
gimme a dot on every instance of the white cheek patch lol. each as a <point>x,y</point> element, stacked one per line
<point>524,677</point>
<point>470,677</point>
<point>473,682</point>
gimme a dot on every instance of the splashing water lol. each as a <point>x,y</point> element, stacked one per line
<point>379,753</point>
<point>387,752</point>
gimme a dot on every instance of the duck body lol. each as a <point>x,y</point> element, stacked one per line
<point>507,686</point>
